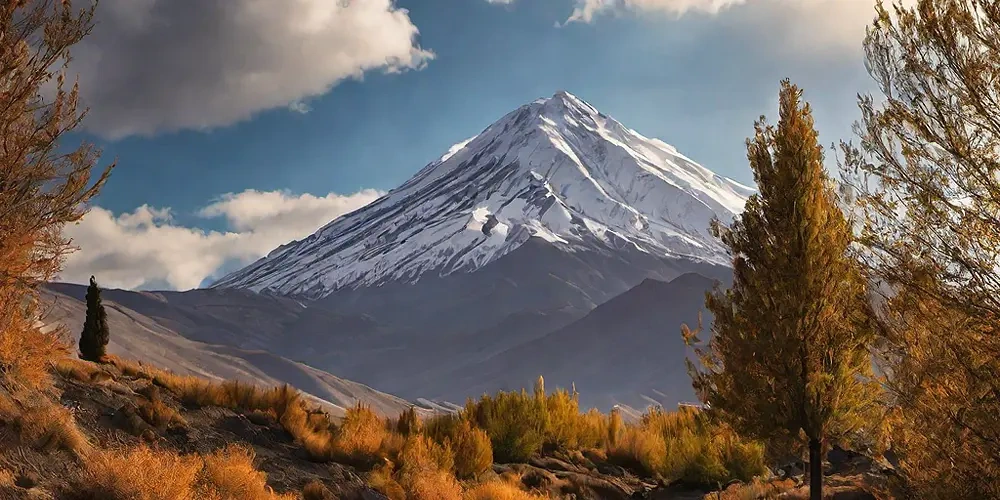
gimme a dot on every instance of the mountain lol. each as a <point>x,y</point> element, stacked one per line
<point>148,339</point>
<point>555,170</point>
<point>514,250</point>
<point>627,351</point>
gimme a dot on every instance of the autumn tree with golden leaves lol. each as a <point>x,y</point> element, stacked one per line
<point>42,185</point>
<point>789,355</point>
<point>927,174</point>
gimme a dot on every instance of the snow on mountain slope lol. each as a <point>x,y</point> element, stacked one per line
<point>555,169</point>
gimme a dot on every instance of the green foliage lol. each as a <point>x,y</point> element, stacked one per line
<point>470,445</point>
<point>95,335</point>
<point>514,421</point>
<point>408,422</point>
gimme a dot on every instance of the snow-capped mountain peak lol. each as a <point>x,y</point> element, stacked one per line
<point>555,169</point>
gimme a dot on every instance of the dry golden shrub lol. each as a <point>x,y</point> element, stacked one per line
<point>229,473</point>
<point>43,424</point>
<point>139,473</point>
<point>6,478</point>
<point>755,490</point>
<point>316,490</point>
<point>143,473</point>
<point>422,471</point>
<point>158,414</point>
<point>499,490</point>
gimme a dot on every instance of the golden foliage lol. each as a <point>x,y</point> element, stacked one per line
<point>471,446</point>
<point>143,473</point>
<point>928,183</point>
<point>499,490</point>
<point>42,186</point>
<point>42,423</point>
<point>25,351</point>
<point>316,490</point>
<point>421,471</point>
<point>472,449</point>
<point>790,351</point>
<point>684,446</point>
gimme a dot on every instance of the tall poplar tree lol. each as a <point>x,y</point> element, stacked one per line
<point>789,356</point>
<point>95,335</point>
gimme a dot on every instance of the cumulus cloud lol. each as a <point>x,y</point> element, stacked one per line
<point>803,24</point>
<point>162,65</point>
<point>146,247</point>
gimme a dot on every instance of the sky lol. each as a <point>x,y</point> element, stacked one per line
<point>240,125</point>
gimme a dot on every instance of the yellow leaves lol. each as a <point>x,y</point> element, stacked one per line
<point>785,351</point>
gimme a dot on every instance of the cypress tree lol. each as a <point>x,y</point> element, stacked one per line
<point>94,338</point>
<point>789,359</point>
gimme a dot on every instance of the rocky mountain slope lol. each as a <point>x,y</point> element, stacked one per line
<point>627,351</point>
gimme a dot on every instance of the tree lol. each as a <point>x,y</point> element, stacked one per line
<point>927,175</point>
<point>95,335</point>
<point>789,358</point>
<point>43,185</point>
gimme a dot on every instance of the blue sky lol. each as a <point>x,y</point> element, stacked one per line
<point>242,130</point>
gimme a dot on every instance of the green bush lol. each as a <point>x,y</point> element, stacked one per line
<point>515,423</point>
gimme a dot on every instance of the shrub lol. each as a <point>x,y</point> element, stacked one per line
<point>515,423</point>
<point>316,490</point>
<point>472,449</point>
<point>26,351</point>
<point>142,473</point>
<point>640,449</point>
<point>139,473</point>
<point>422,471</point>
<point>358,440</point>
<point>408,422</point>
<point>499,490</point>
<point>156,413</point>
<point>229,473</point>
<point>44,424</point>
<point>470,445</point>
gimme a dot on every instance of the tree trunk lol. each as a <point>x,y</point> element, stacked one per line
<point>815,470</point>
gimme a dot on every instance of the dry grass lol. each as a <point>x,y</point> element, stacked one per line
<point>139,473</point>
<point>755,490</point>
<point>42,423</point>
<point>316,490</point>
<point>76,369</point>
<point>229,473</point>
<point>359,439</point>
<point>499,490</point>
<point>422,470</point>
<point>158,414</point>
<point>681,446</point>
<point>142,473</point>
<point>6,478</point>
<point>639,449</point>
<point>25,353</point>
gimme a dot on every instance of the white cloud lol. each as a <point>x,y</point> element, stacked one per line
<point>162,65</point>
<point>147,248</point>
<point>803,25</point>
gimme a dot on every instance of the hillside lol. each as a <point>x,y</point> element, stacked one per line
<point>141,337</point>
<point>626,351</point>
